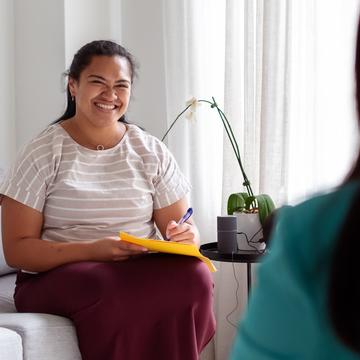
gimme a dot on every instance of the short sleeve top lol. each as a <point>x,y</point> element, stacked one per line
<point>89,194</point>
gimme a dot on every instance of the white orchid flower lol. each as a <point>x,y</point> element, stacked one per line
<point>191,112</point>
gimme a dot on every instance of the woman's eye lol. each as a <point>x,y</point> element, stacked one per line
<point>96,82</point>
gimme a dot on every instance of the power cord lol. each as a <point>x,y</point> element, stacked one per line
<point>249,242</point>
<point>236,294</point>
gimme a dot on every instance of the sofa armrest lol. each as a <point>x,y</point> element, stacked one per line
<point>10,345</point>
<point>44,336</point>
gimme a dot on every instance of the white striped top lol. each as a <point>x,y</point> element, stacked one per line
<point>88,194</point>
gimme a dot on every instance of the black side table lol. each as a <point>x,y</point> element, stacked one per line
<point>210,250</point>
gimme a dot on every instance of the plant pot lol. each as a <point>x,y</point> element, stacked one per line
<point>249,231</point>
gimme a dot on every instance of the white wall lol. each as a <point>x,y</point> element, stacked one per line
<point>142,35</point>
<point>88,20</point>
<point>39,62</point>
<point>7,123</point>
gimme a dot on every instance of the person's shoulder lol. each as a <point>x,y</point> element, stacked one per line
<point>334,201</point>
<point>137,133</point>
<point>311,226</point>
<point>44,148</point>
<point>50,132</point>
<point>141,139</point>
<point>42,140</point>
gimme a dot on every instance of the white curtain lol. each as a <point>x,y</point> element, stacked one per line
<point>289,93</point>
<point>283,71</point>
<point>194,67</point>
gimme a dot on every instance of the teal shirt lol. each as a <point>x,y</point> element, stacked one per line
<point>287,317</point>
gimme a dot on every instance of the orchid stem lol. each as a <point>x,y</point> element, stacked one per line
<point>229,133</point>
<point>233,143</point>
<point>173,123</point>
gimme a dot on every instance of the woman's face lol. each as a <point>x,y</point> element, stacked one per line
<point>103,90</point>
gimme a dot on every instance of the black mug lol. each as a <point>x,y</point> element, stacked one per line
<point>227,234</point>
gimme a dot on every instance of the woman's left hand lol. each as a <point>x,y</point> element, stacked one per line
<point>185,233</point>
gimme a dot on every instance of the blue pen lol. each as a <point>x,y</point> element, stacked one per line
<point>186,216</point>
<point>183,219</point>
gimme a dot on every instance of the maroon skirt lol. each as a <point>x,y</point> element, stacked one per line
<point>156,306</point>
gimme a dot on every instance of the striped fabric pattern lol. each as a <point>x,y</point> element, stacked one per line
<point>88,194</point>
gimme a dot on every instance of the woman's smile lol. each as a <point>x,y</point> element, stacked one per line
<point>105,107</point>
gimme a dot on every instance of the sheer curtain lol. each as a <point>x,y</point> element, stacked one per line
<point>283,70</point>
<point>194,67</point>
<point>289,93</point>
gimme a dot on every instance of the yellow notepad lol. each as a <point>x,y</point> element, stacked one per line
<point>170,247</point>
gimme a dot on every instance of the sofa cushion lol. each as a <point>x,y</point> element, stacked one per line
<point>7,287</point>
<point>44,336</point>
<point>4,268</point>
<point>10,345</point>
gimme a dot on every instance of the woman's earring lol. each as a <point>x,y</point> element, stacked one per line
<point>72,98</point>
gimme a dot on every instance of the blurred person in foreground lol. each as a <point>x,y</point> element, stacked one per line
<point>304,305</point>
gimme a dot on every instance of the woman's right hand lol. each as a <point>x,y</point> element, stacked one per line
<point>114,249</point>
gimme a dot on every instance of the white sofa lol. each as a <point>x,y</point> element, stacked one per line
<point>31,336</point>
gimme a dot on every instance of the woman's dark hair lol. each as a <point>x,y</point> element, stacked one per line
<point>344,290</point>
<point>83,58</point>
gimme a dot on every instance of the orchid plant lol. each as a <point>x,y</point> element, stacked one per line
<point>238,202</point>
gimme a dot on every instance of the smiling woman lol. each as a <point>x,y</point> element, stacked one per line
<point>102,95</point>
<point>72,189</point>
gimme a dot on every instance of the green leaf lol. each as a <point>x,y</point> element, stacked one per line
<point>269,202</point>
<point>236,202</point>
<point>265,206</point>
<point>262,207</point>
<point>245,195</point>
<point>249,201</point>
